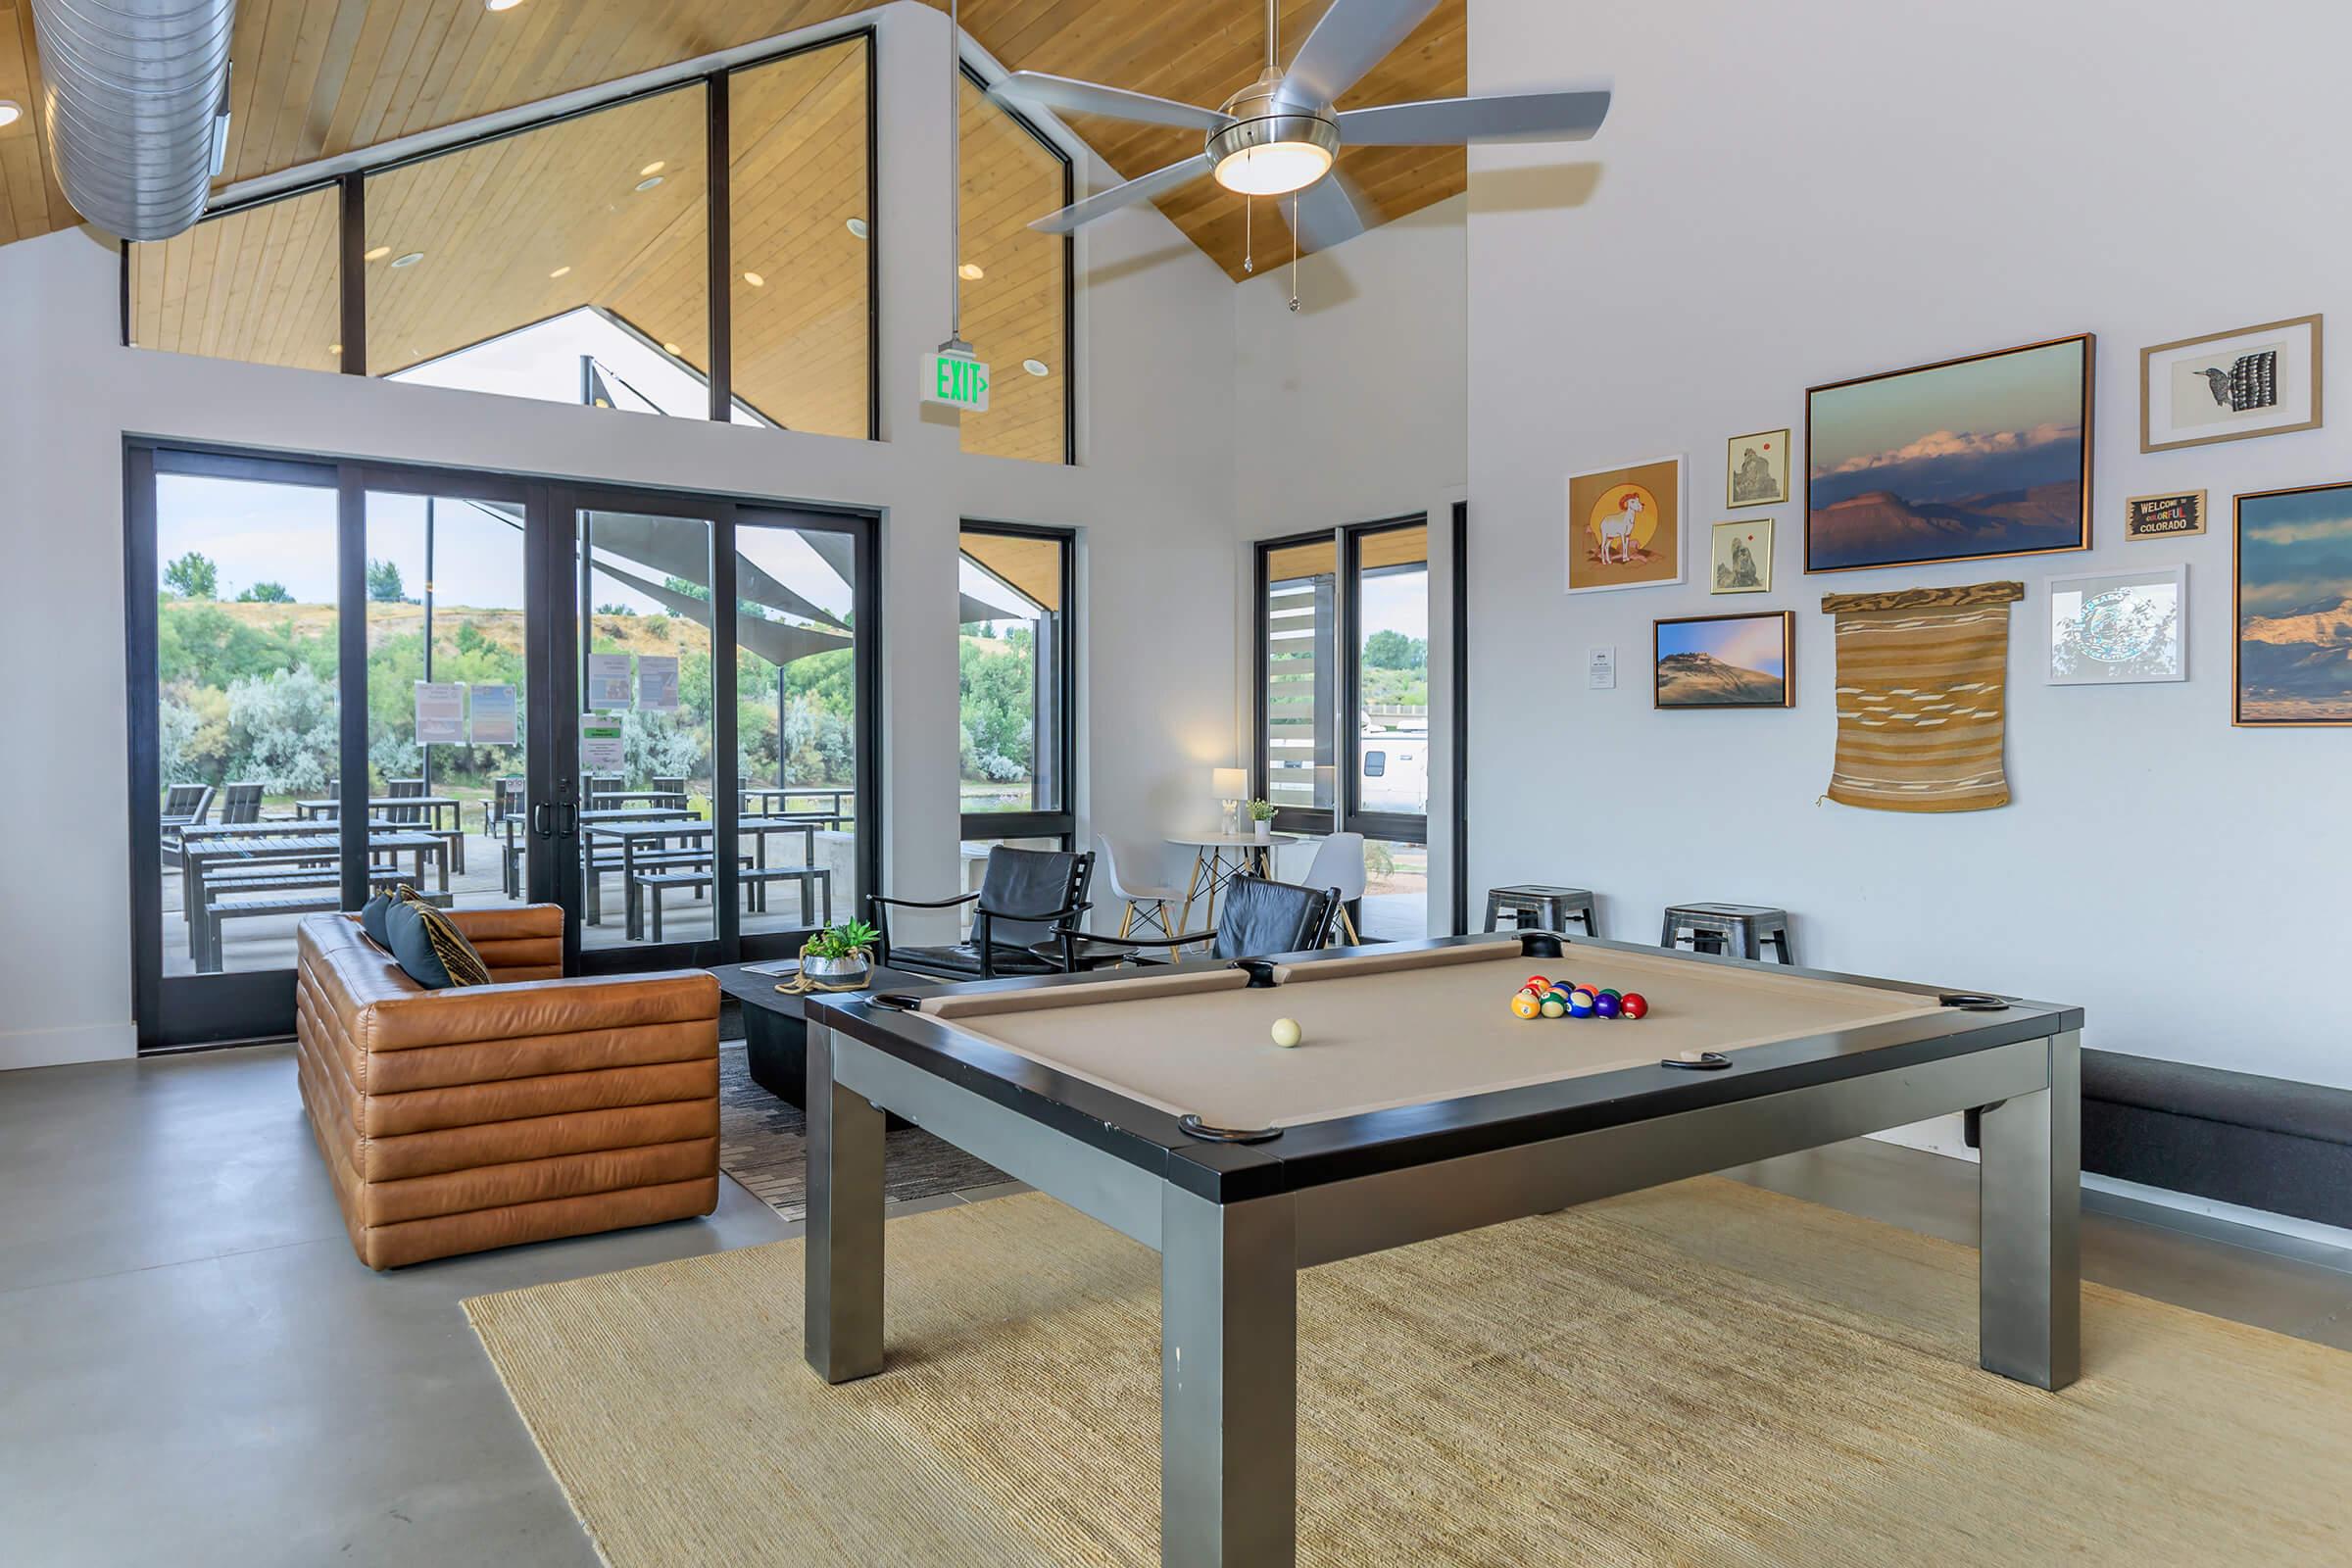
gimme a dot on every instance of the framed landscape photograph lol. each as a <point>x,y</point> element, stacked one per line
<point>1983,456</point>
<point>1725,661</point>
<point>2230,386</point>
<point>1741,558</point>
<point>2292,659</point>
<point>2119,627</point>
<point>1755,470</point>
<point>1625,526</point>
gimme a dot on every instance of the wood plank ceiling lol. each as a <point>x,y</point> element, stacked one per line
<point>317,77</point>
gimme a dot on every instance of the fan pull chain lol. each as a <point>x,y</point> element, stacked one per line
<point>1249,234</point>
<point>1294,256</point>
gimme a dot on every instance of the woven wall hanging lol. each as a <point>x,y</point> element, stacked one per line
<point>1922,689</point>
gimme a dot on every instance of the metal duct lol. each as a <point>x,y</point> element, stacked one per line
<point>132,89</point>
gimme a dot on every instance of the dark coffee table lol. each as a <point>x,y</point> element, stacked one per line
<point>775,1024</point>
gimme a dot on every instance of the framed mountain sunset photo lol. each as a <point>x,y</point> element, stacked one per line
<point>1957,461</point>
<point>2292,656</point>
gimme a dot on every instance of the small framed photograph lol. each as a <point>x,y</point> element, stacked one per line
<point>1743,563</point>
<point>2293,607</point>
<point>2230,386</point>
<point>1755,470</point>
<point>2166,516</point>
<point>1625,526</point>
<point>2117,627</point>
<point>1725,661</point>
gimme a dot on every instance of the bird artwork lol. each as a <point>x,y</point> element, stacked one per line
<point>2250,382</point>
<point>2216,381</point>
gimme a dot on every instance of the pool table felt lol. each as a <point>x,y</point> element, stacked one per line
<point>1384,1031</point>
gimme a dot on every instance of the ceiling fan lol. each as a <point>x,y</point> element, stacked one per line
<point>1279,136</point>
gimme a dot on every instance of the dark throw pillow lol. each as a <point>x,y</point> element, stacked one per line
<point>429,949</point>
<point>372,913</point>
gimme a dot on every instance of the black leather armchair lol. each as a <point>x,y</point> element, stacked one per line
<point>1255,919</point>
<point>1024,919</point>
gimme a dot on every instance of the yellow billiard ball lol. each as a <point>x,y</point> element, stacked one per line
<point>1287,1033</point>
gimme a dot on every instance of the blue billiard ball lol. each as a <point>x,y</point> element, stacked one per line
<point>1580,1005</point>
<point>1608,1007</point>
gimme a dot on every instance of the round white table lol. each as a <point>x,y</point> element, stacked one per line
<point>1219,858</point>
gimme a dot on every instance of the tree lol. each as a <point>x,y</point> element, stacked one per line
<point>1394,650</point>
<point>383,582</point>
<point>193,577</point>
<point>266,593</point>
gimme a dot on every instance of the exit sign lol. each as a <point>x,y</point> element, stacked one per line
<point>956,381</point>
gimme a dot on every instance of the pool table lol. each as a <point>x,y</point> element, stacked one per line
<point>1416,1105</point>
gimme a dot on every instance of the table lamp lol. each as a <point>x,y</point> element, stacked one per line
<point>1230,785</point>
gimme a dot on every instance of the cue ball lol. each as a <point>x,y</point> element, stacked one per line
<point>1287,1032</point>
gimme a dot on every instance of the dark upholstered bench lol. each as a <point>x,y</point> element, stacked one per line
<point>2271,1143</point>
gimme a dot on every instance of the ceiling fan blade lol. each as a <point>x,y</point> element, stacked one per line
<point>1330,211</point>
<point>1127,195</point>
<point>1453,122</point>
<point>1353,37</point>
<point>1066,95</point>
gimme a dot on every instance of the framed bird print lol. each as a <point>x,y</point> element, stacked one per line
<point>1625,526</point>
<point>1755,470</point>
<point>2230,386</point>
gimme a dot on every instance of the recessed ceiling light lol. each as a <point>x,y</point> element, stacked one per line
<point>653,167</point>
<point>971,273</point>
<point>10,111</point>
<point>754,279</point>
<point>409,259</point>
<point>334,348</point>
<point>649,184</point>
<point>378,254</point>
<point>670,349</point>
<point>1036,367</point>
<point>500,5</point>
<point>858,228</point>
<point>561,270</point>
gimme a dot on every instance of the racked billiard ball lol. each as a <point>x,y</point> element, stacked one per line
<point>1633,1004</point>
<point>1537,984</point>
<point>1607,1005</point>
<point>1553,1007</point>
<point>1580,1005</point>
<point>1526,1005</point>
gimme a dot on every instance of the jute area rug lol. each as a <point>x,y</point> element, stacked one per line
<point>1705,1373</point>
<point>764,1144</point>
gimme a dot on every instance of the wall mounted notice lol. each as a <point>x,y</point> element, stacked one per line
<point>657,683</point>
<point>2164,516</point>
<point>1601,669</point>
<point>601,747</point>
<point>490,717</point>
<point>440,712</point>
<point>607,682</point>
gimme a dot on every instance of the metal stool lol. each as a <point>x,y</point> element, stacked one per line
<point>1748,926</point>
<point>1534,907</point>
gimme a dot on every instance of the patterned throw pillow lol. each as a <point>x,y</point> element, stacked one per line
<point>429,948</point>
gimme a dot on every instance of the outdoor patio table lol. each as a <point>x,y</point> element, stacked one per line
<point>631,836</point>
<point>284,843</point>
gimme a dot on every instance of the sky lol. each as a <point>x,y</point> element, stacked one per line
<point>1871,424</point>
<point>1747,644</point>
<point>2295,552</point>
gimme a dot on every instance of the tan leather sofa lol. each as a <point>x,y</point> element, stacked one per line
<point>454,1121</point>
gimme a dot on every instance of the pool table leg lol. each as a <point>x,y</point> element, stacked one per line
<point>2030,1211</point>
<point>842,1332</point>
<point>1228,1382</point>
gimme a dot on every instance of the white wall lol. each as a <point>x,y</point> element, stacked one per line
<point>1853,187</point>
<point>1354,408</point>
<point>1154,499</point>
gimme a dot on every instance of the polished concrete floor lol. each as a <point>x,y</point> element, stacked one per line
<point>194,1368</point>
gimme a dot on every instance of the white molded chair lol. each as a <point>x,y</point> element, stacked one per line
<point>1339,864</point>
<point>1146,903</point>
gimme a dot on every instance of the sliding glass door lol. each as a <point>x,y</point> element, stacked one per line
<point>654,710</point>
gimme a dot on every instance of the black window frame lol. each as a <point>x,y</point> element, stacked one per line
<point>1061,822</point>
<point>219,1009</point>
<point>719,187</point>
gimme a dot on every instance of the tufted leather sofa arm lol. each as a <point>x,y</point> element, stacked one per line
<point>457,1120</point>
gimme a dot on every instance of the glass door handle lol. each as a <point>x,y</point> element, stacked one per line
<point>570,819</point>
<point>543,819</point>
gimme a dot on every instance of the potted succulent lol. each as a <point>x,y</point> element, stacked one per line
<point>1261,819</point>
<point>839,955</point>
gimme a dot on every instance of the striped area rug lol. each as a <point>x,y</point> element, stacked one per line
<point>1922,697</point>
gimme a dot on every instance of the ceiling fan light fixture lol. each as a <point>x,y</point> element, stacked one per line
<point>1274,155</point>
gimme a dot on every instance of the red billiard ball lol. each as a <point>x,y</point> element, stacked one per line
<point>1632,1005</point>
<point>1537,984</point>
